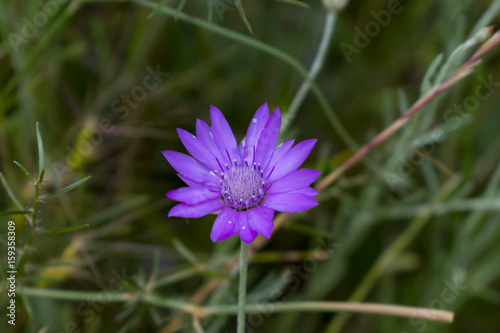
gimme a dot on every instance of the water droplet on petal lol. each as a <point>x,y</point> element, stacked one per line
<point>212,173</point>
<point>211,135</point>
<point>279,146</point>
<point>254,120</point>
<point>194,136</point>
<point>229,222</point>
<point>243,228</point>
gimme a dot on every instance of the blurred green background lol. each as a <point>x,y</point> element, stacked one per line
<point>420,214</point>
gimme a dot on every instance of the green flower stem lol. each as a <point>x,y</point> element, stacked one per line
<point>252,42</point>
<point>23,257</point>
<point>201,312</point>
<point>242,292</point>
<point>316,66</point>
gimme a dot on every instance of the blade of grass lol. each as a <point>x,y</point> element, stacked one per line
<point>427,83</point>
<point>66,189</point>
<point>316,66</point>
<point>296,3</point>
<point>160,4</point>
<point>180,6</point>
<point>35,267</point>
<point>16,212</point>
<point>41,156</point>
<point>156,266</point>
<point>27,306</point>
<point>64,229</point>
<point>9,192</point>
<point>23,169</point>
<point>487,17</point>
<point>210,10</point>
<point>185,252</point>
<point>243,16</point>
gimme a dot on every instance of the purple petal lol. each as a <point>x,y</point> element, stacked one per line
<point>241,147</point>
<point>246,233</point>
<point>289,202</point>
<point>197,210</point>
<point>204,135</point>
<point>197,149</point>
<point>294,180</point>
<point>291,160</point>
<point>225,225</point>
<point>256,126</point>
<point>193,183</point>
<point>279,152</point>
<point>269,212</point>
<point>223,136</point>
<point>189,167</point>
<point>309,191</point>
<point>260,221</point>
<point>192,195</point>
<point>268,139</point>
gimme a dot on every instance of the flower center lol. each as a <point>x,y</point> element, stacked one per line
<point>243,187</point>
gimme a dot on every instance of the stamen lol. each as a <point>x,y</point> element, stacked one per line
<point>242,187</point>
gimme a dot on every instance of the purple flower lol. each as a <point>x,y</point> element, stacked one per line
<point>245,182</point>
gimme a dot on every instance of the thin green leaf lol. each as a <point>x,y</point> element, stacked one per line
<point>243,16</point>
<point>295,2</point>
<point>156,265</point>
<point>41,161</point>
<point>133,323</point>
<point>129,308</point>
<point>431,71</point>
<point>210,10</point>
<point>9,191</point>
<point>217,275</point>
<point>35,267</point>
<point>487,17</point>
<point>156,315</point>
<point>404,105</point>
<point>66,189</point>
<point>117,210</point>
<point>16,212</point>
<point>153,13</point>
<point>64,229</point>
<point>23,169</point>
<point>185,252</point>
<point>179,8</point>
<point>42,174</point>
<point>27,306</point>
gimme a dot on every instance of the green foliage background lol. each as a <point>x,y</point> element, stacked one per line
<point>443,208</point>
